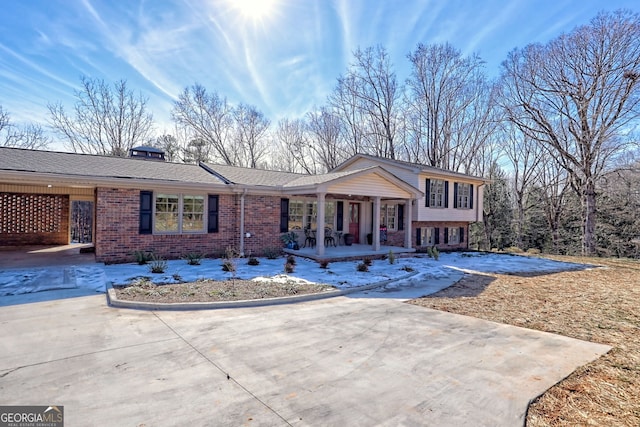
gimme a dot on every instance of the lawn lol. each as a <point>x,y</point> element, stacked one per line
<point>600,305</point>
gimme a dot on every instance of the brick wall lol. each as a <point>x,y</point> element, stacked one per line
<point>117,223</point>
<point>34,219</point>
<point>464,243</point>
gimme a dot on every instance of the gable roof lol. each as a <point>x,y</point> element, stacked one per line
<point>251,176</point>
<point>94,167</point>
<point>412,167</point>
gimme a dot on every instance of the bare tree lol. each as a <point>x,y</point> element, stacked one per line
<point>578,96</point>
<point>251,127</point>
<point>209,117</point>
<point>106,120</point>
<point>450,106</point>
<point>29,136</point>
<point>325,128</point>
<point>170,145</point>
<point>294,147</point>
<point>349,107</point>
<point>372,89</point>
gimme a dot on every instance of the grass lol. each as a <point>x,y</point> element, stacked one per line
<point>599,305</point>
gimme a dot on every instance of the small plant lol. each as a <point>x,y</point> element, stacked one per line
<point>253,261</point>
<point>367,261</point>
<point>362,267</point>
<point>177,277</point>
<point>289,239</point>
<point>324,263</point>
<point>289,268</point>
<point>291,260</point>
<point>533,251</point>
<point>392,257</point>
<point>158,266</point>
<point>435,253</point>
<point>231,253</point>
<point>271,253</point>
<point>193,258</point>
<point>407,269</point>
<point>229,266</point>
<point>513,250</point>
<point>143,257</point>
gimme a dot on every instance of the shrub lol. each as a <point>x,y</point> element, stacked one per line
<point>513,250</point>
<point>143,257</point>
<point>407,269</point>
<point>231,253</point>
<point>291,260</point>
<point>289,268</point>
<point>253,261</point>
<point>229,266</point>
<point>272,253</point>
<point>362,267</point>
<point>158,265</point>
<point>533,251</point>
<point>324,263</point>
<point>435,253</point>
<point>367,261</point>
<point>193,258</point>
<point>392,257</point>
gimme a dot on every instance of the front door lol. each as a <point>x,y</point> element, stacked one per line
<point>354,221</point>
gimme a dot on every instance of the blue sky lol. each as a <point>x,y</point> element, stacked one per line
<point>284,59</point>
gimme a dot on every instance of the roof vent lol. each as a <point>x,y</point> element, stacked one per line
<point>147,153</point>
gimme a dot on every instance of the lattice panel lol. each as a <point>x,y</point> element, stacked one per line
<point>31,213</point>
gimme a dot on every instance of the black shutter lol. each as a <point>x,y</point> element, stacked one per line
<point>400,226</point>
<point>455,195</point>
<point>471,196</point>
<point>340,216</point>
<point>446,194</point>
<point>212,220</point>
<point>436,236</point>
<point>461,234</point>
<point>427,197</point>
<point>284,215</point>
<point>418,237</point>
<point>146,212</point>
<point>446,235</point>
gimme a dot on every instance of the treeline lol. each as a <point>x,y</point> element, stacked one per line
<point>555,132</point>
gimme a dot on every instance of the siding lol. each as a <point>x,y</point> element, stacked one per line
<point>369,186</point>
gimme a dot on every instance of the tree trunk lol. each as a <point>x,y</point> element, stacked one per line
<point>589,215</point>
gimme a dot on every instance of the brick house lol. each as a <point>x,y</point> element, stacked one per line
<point>143,203</point>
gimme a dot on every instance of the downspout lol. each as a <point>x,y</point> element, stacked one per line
<point>244,193</point>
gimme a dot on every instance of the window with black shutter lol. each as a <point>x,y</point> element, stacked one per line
<point>212,217</point>
<point>146,212</point>
<point>284,215</point>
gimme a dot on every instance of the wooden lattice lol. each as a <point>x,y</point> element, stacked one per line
<point>31,213</point>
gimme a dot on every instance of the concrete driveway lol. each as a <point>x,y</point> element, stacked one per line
<point>339,362</point>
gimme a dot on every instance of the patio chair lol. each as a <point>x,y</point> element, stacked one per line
<point>309,238</point>
<point>328,237</point>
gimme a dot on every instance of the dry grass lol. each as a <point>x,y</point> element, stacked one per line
<point>600,305</point>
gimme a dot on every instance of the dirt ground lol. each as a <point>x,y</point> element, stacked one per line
<point>215,290</point>
<point>600,305</point>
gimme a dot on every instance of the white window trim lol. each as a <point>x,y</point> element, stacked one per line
<point>180,213</point>
<point>466,204</point>
<point>442,195</point>
<point>454,231</point>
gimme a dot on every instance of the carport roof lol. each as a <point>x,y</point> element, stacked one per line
<point>95,166</point>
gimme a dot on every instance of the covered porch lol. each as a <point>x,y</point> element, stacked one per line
<point>366,205</point>
<point>353,252</point>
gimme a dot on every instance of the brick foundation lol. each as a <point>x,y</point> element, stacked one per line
<point>462,245</point>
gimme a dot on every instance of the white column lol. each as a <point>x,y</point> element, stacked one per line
<point>320,226</point>
<point>407,223</point>
<point>376,223</point>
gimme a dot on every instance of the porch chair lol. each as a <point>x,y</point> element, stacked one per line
<point>309,238</point>
<point>328,237</point>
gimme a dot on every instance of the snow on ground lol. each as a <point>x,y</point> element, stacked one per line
<point>410,277</point>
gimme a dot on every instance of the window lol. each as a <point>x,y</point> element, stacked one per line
<point>388,216</point>
<point>428,236</point>
<point>437,193</point>
<point>179,213</point>
<point>463,195</point>
<point>296,211</point>
<point>454,236</point>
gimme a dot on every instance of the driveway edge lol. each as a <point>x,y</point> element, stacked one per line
<point>114,301</point>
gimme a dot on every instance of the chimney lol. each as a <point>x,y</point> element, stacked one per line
<point>147,153</point>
